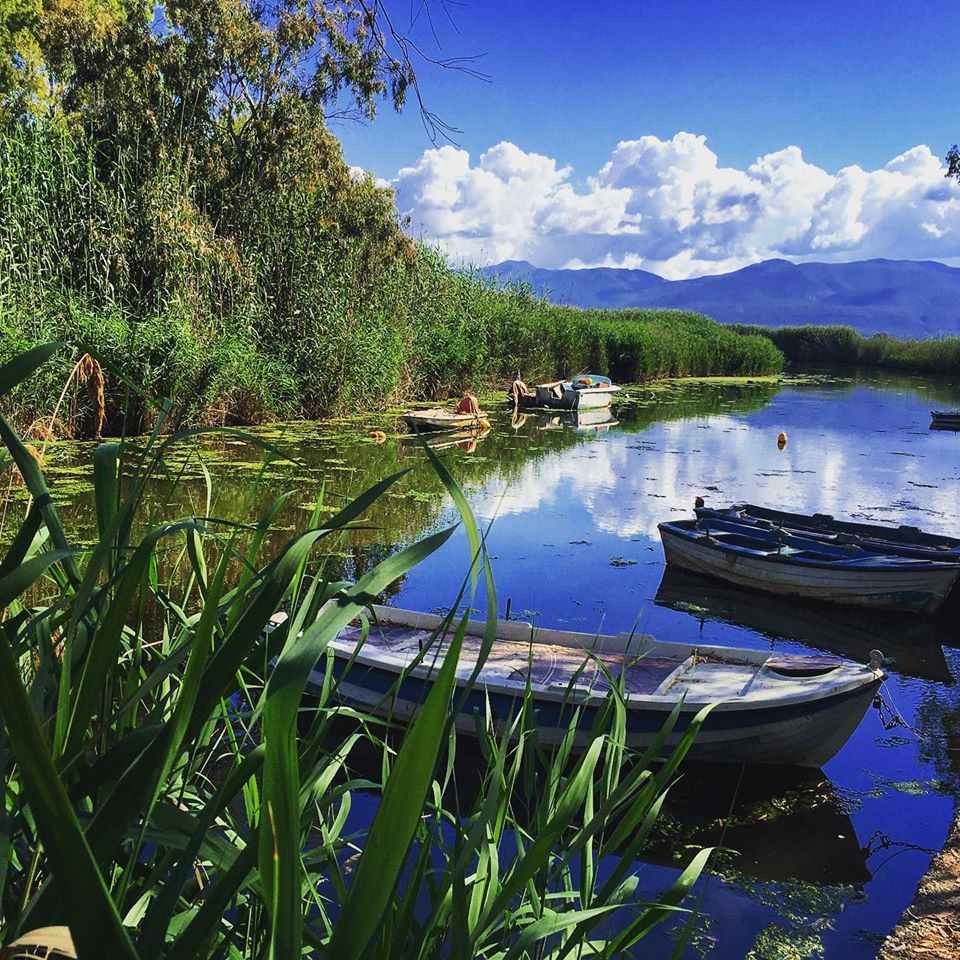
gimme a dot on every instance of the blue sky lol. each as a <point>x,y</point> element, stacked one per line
<point>848,83</point>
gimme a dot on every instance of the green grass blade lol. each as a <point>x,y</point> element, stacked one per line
<point>84,898</point>
<point>24,365</point>
<point>280,834</point>
<point>24,576</point>
<point>397,818</point>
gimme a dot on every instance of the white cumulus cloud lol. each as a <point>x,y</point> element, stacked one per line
<point>670,207</point>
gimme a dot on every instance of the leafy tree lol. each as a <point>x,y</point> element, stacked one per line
<point>953,163</point>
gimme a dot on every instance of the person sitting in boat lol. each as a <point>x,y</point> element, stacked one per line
<point>468,405</point>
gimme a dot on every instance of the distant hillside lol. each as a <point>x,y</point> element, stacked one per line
<point>905,298</point>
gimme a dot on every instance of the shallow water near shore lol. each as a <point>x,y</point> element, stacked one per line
<point>826,861</point>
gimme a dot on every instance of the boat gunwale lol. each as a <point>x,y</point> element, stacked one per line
<point>873,534</point>
<point>869,564</point>
<point>846,677</point>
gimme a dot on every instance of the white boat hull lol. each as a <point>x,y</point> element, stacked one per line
<point>439,419</point>
<point>586,399</point>
<point>809,740</point>
<point>764,708</point>
<point>918,589</point>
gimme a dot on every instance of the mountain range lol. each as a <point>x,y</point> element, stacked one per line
<point>904,298</point>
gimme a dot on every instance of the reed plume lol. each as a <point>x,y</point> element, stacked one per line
<point>90,372</point>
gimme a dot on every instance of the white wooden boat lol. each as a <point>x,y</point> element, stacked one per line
<point>905,541</point>
<point>437,418</point>
<point>768,708</point>
<point>806,568</point>
<point>581,393</point>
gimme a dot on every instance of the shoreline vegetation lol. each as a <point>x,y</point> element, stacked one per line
<point>171,795</point>
<point>172,200</point>
<point>844,345</point>
<point>308,301</point>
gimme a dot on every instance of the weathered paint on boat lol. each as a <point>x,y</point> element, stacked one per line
<point>878,581</point>
<point>768,709</point>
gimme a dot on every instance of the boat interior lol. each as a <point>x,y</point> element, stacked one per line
<point>779,542</point>
<point>565,661</point>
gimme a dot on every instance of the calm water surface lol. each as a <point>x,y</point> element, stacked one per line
<point>827,861</point>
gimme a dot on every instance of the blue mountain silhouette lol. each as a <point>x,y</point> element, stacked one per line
<point>905,298</point>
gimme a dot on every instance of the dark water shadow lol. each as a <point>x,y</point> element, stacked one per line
<point>912,647</point>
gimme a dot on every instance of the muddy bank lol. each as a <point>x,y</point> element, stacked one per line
<point>930,927</point>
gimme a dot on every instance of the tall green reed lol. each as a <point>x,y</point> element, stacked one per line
<point>284,299</point>
<point>838,344</point>
<point>167,792</point>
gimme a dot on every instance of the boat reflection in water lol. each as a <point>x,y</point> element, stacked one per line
<point>911,646</point>
<point>773,825</point>
<point>466,440</point>
<point>590,420</point>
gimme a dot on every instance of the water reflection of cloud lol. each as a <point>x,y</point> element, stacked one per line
<point>628,483</point>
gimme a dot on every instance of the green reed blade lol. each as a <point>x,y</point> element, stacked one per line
<point>25,365</point>
<point>280,834</point>
<point>397,816</point>
<point>83,894</point>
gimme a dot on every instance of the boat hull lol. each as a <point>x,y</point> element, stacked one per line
<point>916,589</point>
<point>903,541</point>
<point>944,421</point>
<point>804,734</point>
<point>570,399</point>
<point>435,421</point>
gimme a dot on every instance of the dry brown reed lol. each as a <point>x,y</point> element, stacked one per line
<point>90,372</point>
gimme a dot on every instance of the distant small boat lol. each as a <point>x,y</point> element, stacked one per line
<point>904,541</point>
<point>806,568</point>
<point>769,708</point>
<point>940,420</point>
<point>580,393</point>
<point>437,418</point>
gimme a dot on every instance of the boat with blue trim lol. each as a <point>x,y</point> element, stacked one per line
<point>802,567</point>
<point>904,541</point>
<point>767,708</point>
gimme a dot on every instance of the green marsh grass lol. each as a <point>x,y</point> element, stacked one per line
<point>282,300</point>
<point>169,793</point>
<point>837,344</point>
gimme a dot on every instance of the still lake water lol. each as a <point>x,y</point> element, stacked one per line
<point>827,861</point>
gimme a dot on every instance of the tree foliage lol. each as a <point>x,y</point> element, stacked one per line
<point>953,163</point>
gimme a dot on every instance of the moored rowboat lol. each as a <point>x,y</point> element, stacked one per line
<point>437,418</point>
<point>768,708</point>
<point>807,568</point>
<point>902,541</point>
<point>581,393</point>
<point>940,420</point>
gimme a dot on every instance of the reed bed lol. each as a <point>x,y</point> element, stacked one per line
<point>169,793</point>
<point>837,344</point>
<point>296,297</point>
